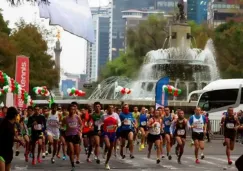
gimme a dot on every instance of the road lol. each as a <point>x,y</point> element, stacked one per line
<point>215,160</point>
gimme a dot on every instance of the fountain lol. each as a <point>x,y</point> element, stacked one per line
<point>188,68</point>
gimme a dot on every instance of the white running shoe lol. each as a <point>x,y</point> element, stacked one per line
<point>107,167</point>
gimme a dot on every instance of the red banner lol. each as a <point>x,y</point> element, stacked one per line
<point>22,77</point>
<point>235,2</point>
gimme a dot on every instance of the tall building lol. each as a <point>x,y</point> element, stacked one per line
<point>221,11</point>
<point>197,10</point>
<point>98,53</point>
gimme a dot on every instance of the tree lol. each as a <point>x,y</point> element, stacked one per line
<point>30,41</point>
<point>228,42</point>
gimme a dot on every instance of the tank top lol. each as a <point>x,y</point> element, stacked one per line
<point>110,123</point>
<point>156,127</point>
<point>52,123</point>
<point>72,125</point>
<point>198,123</point>
<point>180,128</point>
<point>143,120</point>
<point>167,123</point>
<point>87,122</point>
<point>229,124</point>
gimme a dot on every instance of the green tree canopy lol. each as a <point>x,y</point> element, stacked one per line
<point>228,42</point>
<point>28,40</point>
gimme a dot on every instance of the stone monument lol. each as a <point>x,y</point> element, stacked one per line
<point>58,50</point>
<point>180,30</point>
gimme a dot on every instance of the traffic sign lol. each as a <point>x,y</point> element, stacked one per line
<point>87,85</point>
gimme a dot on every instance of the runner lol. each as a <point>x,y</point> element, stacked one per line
<point>95,134</point>
<point>7,133</point>
<point>154,129</point>
<point>25,135</point>
<point>127,130</point>
<point>230,124</point>
<point>135,115</point>
<point>179,125</point>
<point>143,118</point>
<point>52,130</point>
<point>197,123</point>
<point>73,122</point>
<point>88,127</point>
<point>110,122</point>
<point>167,120</point>
<point>37,123</point>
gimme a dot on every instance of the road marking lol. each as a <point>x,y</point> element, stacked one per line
<point>161,164</point>
<point>204,161</point>
<point>219,159</point>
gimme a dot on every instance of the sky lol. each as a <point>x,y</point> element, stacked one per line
<point>73,55</point>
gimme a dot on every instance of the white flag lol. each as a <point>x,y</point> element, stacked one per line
<point>73,16</point>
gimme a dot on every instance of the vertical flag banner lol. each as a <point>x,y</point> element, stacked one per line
<point>22,77</point>
<point>161,98</point>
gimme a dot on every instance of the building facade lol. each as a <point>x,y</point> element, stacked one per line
<point>98,53</point>
<point>197,10</point>
<point>221,11</point>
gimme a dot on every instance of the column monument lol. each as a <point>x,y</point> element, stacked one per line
<point>58,50</point>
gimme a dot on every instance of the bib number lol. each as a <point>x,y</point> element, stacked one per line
<point>198,125</point>
<point>52,123</point>
<point>167,123</point>
<point>73,125</point>
<point>110,128</point>
<point>230,125</point>
<point>181,132</point>
<point>144,123</point>
<point>127,122</point>
<point>38,127</point>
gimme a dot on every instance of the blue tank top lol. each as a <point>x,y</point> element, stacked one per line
<point>143,120</point>
<point>127,121</point>
<point>167,123</point>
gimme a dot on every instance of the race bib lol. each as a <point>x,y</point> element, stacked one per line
<point>127,122</point>
<point>230,125</point>
<point>73,125</point>
<point>144,123</point>
<point>198,125</point>
<point>52,123</point>
<point>156,130</point>
<point>110,128</point>
<point>181,132</point>
<point>167,123</point>
<point>38,127</point>
<point>97,123</point>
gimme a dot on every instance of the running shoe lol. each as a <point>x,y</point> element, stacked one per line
<point>169,157</point>
<point>43,155</point>
<point>197,161</point>
<point>107,167</point>
<point>26,157</point>
<point>202,156</point>
<point>58,156</point>
<point>30,155</point>
<point>132,156</point>
<point>33,162</point>
<point>47,153</point>
<point>230,162</point>
<point>179,160</point>
<point>52,160</point>
<point>77,162</point>
<point>73,169</point>
<point>158,161</point>
<point>64,158</point>
<point>39,160</point>
<point>163,156</point>
<point>88,160</point>
<point>97,160</point>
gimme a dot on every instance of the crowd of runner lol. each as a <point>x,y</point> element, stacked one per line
<point>61,132</point>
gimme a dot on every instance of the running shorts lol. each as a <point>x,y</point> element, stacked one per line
<point>110,135</point>
<point>75,139</point>
<point>86,135</point>
<point>152,138</point>
<point>198,136</point>
<point>124,134</point>
<point>144,127</point>
<point>55,136</point>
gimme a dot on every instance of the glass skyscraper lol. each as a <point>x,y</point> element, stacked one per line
<point>197,10</point>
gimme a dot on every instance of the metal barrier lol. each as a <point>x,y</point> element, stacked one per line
<point>215,127</point>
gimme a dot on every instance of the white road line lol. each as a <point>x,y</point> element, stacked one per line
<point>218,159</point>
<point>161,164</point>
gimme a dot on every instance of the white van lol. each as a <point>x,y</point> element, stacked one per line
<point>217,96</point>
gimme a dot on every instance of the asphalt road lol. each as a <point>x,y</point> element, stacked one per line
<point>215,160</point>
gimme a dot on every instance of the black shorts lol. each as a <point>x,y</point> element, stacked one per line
<point>62,132</point>
<point>162,135</point>
<point>35,136</point>
<point>152,138</point>
<point>144,127</point>
<point>87,135</point>
<point>7,156</point>
<point>230,135</point>
<point>124,134</point>
<point>75,139</point>
<point>198,136</point>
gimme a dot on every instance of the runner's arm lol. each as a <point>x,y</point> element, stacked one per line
<point>80,123</point>
<point>172,126</point>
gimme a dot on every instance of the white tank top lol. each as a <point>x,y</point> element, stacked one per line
<point>198,123</point>
<point>155,129</point>
<point>52,123</point>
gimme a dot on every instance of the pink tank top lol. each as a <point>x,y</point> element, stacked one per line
<point>72,126</point>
